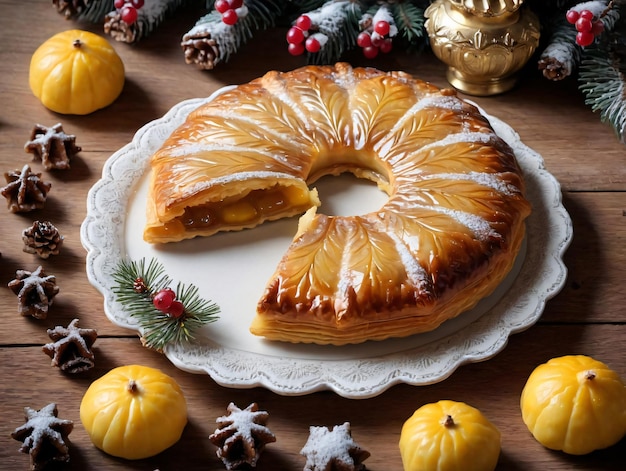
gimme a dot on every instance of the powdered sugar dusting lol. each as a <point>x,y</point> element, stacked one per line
<point>490,180</point>
<point>240,176</point>
<point>457,138</point>
<point>428,101</point>
<point>332,449</point>
<point>481,228</point>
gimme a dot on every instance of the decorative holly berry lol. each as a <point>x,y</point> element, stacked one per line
<point>382,27</point>
<point>584,25</point>
<point>119,3</point>
<point>588,14</point>
<point>230,17</point>
<point>164,299</point>
<point>222,6</point>
<point>176,309</point>
<point>386,45</point>
<point>584,38</point>
<point>295,35</point>
<point>234,4</point>
<point>364,39</point>
<point>312,45</point>
<point>296,49</point>
<point>303,22</point>
<point>572,16</point>
<point>129,14</point>
<point>137,3</point>
<point>370,52</point>
<point>598,28</point>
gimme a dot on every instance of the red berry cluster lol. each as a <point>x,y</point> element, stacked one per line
<point>375,41</point>
<point>228,9</point>
<point>165,301</point>
<point>128,9</point>
<point>586,26</point>
<point>300,39</point>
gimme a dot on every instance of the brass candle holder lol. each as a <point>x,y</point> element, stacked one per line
<point>483,42</point>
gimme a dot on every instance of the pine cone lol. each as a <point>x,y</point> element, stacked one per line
<point>201,49</point>
<point>52,146</point>
<point>69,9</point>
<point>44,437</point>
<point>70,349</point>
<point>35,292</point>
<point>242,436</point>
<point>119,29</point>
<point>25,191</point>
<point>42,238</point>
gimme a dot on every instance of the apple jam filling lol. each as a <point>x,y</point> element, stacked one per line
<point>256,206</point>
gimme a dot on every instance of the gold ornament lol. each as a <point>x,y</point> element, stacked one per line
<point>484,43</point>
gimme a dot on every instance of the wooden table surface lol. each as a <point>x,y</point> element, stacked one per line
<point>587,317</point>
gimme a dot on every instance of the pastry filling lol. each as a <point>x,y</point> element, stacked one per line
<point>257,205</point>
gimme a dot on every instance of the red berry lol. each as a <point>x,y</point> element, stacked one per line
<point>230,17</point>
<point>164,299</point>
<point>312,45</point>
<point>137,3</point>
<point>386,46</point>
<point>234,4</point>
<point>382,27</point>
<point>296,49</point>
<point>119,3</point>
<point>370,52</point>
<point>598,28</point>
<point>295,35</point>
<point>572,16</point>
<point>303,22</point>
<point>584,38</point>
<point>222,6</point>
<point>586,14</point>
<point>364,39</point>
<point>176,310</point>
<point>128,14</point>
<point>376,40</point>
<point>584,25</point>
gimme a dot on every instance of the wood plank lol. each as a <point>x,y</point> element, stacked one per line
<point>493,386</point>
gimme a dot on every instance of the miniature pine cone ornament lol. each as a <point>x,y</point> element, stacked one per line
<point>70,348</point>
<point>42,238</point>
<point>44,437</point>
<point>52,146</point>
<point>35,292</point>
<point>242,436</point>
<point>25,190</point>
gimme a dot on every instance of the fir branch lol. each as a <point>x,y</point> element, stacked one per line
<point>137,283</point>
<point>410,21</point>
<point>603,81</point>
<point>93,11</point>
<point>339,22</point>
<point>149,18</point>
<point>211,41</point>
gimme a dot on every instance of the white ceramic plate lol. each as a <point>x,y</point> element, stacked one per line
<point>231,269</point>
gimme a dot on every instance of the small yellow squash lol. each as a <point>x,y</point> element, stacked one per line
<point>134,412</point>
<point>449,436</point>
<point>76,72</point>
<point>575,404</point>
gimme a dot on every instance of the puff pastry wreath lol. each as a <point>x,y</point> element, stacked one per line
<point>446,237</point>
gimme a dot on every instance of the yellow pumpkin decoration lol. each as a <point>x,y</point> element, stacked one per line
<point>449,436</point>
<point>575,404</point>
<point>76,72</point>
<point>134,412</point>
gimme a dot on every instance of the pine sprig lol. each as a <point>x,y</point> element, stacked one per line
<point>604,86</point>
<point>137,283</point>
<point>93,11</point>
<point>410,20</point>
<point>339,21</point>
